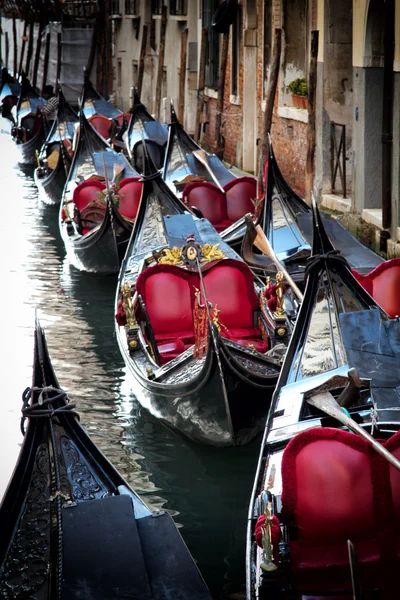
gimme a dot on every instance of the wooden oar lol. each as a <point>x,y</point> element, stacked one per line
<point>202,158</point>
<point>327,403</point>
<point>355,579</point>
<point>262,243</point>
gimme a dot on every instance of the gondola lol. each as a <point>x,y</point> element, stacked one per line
<point>319,485</point>
<point>10,90</point>
<point>201,368</point>
<point>55,157</point>
<point>99,204</point>
<point>142,126</point>
<point>30,130</point>
<point>287,222</point>
<point>203,182</point>
<point>101,113</point>
<point>71,527</point>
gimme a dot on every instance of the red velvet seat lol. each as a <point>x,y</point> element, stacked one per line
<point>130,190</point>
<point>230,285</point>
<point>101,124</point>
<point>239,195</point>
<point>87,201</point>
<point>383,284</point>
<point>210,200</point>
<point>335,488</point>
<point>168,293</point>
<point>120,118</point>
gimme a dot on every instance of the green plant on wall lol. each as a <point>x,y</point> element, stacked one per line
<point>298,86</point>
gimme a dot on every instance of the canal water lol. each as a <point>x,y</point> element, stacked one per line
<point>206,489</point>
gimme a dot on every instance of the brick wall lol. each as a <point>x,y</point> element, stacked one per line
<point>289,136</point>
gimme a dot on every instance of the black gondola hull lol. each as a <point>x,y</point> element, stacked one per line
<point>214,404</point>
<point>51,186</point>
<point>30,148</point>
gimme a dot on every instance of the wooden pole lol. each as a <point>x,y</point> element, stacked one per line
<point>200,89</point>
<point>37,54</point>
<point>139,82</point>
<point>311,89</point>
<point>59,50</point>
<point>221,89</point>
<point>30,48</point>
<point>46,60</point>
<point>7,49</point>
<point>182,76</point>
<point>160,69</point>
<point>270,99</point>
<point>15,46</point>
<point>24,38</point>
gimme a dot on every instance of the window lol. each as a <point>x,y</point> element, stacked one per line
<point>177,7</point>
<point>115,7</point>
<point>296,41</point>
<point>135,72</point>
<point>212,53</point>
<point>236,34</point>
<point>156,7</point>
<point>119,73</point>
<point>130,7</point>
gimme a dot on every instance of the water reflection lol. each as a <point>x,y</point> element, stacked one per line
<point>207,490</point>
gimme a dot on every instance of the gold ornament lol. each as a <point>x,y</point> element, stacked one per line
<point>211,253</point>
<point>128,306</point>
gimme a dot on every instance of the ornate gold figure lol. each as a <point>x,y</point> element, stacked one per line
<point>211,253</point>
<point>128,306</point>
<point>281,331</point>
<point>200,326</point>
<point>216,320</point>
<point>171,256</point>
<point>279,294</point>
<point>268,550</point>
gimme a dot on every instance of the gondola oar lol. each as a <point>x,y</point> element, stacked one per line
<point>355,580</point>
<point>327,403</point>
<point>202,158</point>
<point>263,244</point>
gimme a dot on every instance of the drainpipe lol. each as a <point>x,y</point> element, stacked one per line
<point>387,123</point>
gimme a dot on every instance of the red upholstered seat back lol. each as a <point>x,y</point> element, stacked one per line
<point>207,198</point>
<point>327,487</point>
<point>239,193</point>
<point>87,192</point>
<point>393,445</point>
<point>230,284</point>
<point>130,190</point>
<point>120,118</point>
<point>383,284</point>
<point>101,124</point>
<point>168,294</point>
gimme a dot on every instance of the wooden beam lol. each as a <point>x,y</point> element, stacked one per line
<point>15,46</point>
<point>59,52</point>
<point>200,88</point>
<point>30,48</point>
<point>7,43</point>
<point>311,90</point>
<point>139,82</point>
<point>270,98</point>
<point>24,38</point>
<point>160,69</point>
<point>221,89</point>
<point>182,76</point>
<point>46,60</point>
<point>37,54</point>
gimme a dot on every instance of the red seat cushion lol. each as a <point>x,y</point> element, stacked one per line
<point>210,200</point>
<point>120,118</point>
<point>170,350</point>
<point>87,192</point>
<point>230,284</point>
<point>101,124</point>
<point>239,195</point>
<point>383,284</point>
<point>328,492</point>
<point>168,294</point>
<point>130,191</point>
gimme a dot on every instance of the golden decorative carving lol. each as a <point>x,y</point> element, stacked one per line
<point>216,320</point>
<point>127,304</point>
<point>211,253</point>
<point>279,294</point>
<point>171,256</point>
<point>268,551</point>
<point>281,331</point>
<point>200,326</point>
